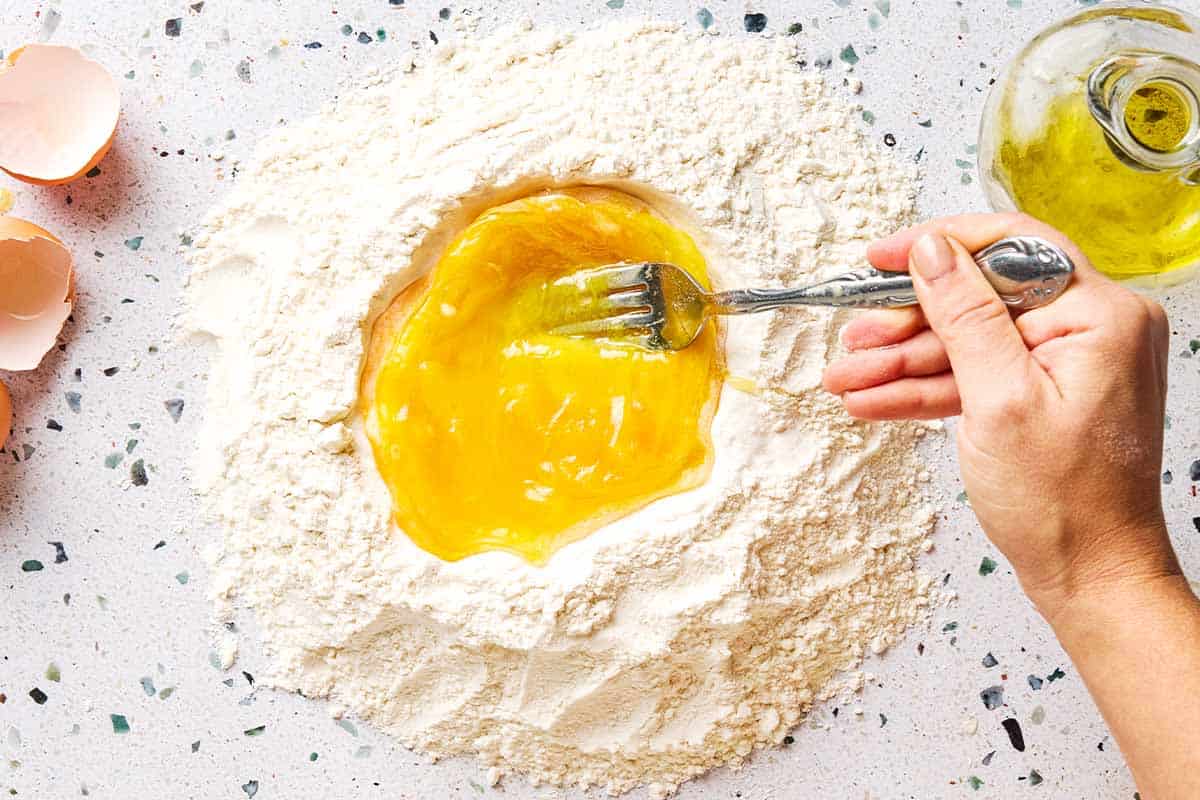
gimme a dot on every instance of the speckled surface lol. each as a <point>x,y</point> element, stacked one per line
<point>106,676</point>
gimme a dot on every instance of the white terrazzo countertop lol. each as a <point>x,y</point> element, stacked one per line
<point>116,621</point>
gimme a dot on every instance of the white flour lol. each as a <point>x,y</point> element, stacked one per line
<point>686,634</point>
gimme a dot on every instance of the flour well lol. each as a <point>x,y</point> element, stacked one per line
<point>682,636</point>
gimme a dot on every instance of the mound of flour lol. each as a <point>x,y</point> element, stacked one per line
<point>684,635</point>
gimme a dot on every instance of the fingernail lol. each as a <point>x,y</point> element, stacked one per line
<point>931,257</point>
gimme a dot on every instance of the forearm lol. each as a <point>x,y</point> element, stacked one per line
<point>1136,643</point>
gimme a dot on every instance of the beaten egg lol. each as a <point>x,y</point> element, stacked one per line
<point>492,433</point>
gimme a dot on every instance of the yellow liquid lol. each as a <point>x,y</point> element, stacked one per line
<point>492,434</point>
<point>1129,223</point>
<point>1157,117</point>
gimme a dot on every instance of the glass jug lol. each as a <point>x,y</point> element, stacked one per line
<point>1095,129</point>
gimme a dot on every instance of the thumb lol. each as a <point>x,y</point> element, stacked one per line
<point>987,354</point>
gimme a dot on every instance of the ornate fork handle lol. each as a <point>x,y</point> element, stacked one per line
<point>1026,272</point>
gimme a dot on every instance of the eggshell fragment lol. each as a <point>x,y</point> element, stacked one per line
<point>35,292</point>
<point>5,413</point>
<point>58,114</point>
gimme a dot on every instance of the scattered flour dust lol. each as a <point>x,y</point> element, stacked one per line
<point>680,637</point>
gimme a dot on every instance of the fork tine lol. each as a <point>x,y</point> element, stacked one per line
<point>636,298</point>
<point>612,278</point>
<point>624,276</point>
<point>605,326</point>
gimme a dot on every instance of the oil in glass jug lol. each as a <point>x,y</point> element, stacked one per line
<point>1095,129</point>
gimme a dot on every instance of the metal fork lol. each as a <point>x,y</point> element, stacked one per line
<point>662,307</point>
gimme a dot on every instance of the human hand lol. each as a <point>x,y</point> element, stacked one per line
<point>1060,441</point>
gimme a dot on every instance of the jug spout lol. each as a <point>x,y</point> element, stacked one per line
<point>1148,105</point>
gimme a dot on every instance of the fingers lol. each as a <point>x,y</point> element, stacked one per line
<point>975,232</point>
<point>882,327</point>
<point>908,398</point>
<point>920,356</point>
<point>986,353</point>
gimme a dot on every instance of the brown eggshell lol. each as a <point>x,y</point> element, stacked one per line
<point>58,114</point>
<point>5,413</point>
<point>35,292</point>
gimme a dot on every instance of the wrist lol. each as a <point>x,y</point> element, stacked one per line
<point>1107,599</point>
<point>1126,563</point>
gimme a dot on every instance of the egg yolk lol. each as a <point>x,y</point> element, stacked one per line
<point>492,433</point>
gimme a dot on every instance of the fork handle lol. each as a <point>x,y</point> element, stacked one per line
<point>1026,271</point>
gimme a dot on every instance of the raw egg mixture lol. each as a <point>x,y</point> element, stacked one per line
<point>492,433</point>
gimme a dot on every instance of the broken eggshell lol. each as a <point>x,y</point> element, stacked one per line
<point>35,292</point>
<point>5,413</point>
<point>58,114</point>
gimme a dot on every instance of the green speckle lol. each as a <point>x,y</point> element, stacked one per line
<point>132,443</point>
<point>135,243</point>
<point>987,566</point>
<point>884,6</point>
<point>53,673</point>
<point>182,578</point>
<point>615,4</point>
<point>312,756</point>
<point>347,726</point>
<point>476,786</point>
<point>148,686</point>
<point>347,30</point>
<point>381,34</point>
<point>214,660</point>
<point>1015,3</point>
<point>705,18</point>
<point>32,565</point>
<point>962,498</point>
<point>966,179</point>
<point>137,473</point>
<point>949,626</point>
<point>1034,777</point>
<point>1194,345</point>
<point>961,164</point>
<point>974,782</point>
<point>848,55</point>
<point>795,28</point>
<point>841,3</point>
<point>130,75</point>
<point>113,459</point>
<point>972,149</point>
<point>874,21</point>
<point>926,123</point>
<point>255,731</point>
<point>1053,676</point>
<point>163,694</point>
<point>196,69</point>
<point>363,751</point>
<point>119,723</point>
<point>868,117</point>
<point>102,601</point>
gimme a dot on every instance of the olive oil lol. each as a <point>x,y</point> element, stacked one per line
<point>1094,130</point>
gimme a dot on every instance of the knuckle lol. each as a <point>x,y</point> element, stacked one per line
<point>1019,220</point>
<point>976,313</point>
<point>1158,315</point>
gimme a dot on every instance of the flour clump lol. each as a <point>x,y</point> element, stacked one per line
<point>680,637</point>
